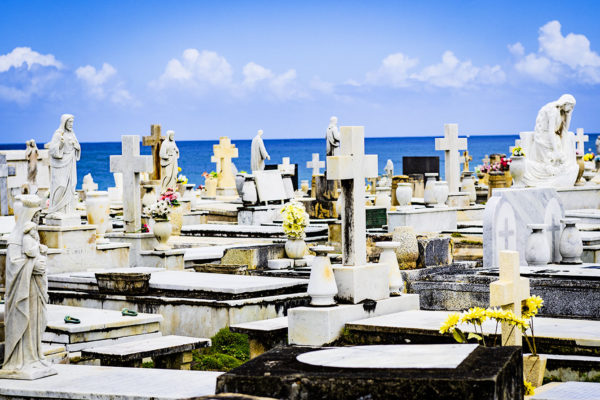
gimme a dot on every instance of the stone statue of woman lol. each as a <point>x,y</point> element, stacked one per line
<point>31,154</point>
<point>333,137</point>
<point>65,151</point>
<point>258,153</point>
<point>26,298</point>
<point>550,151</point>
<point>169,154</point>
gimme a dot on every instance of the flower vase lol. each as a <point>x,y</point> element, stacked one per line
<point>581,165</point>
<point>534,368</point>
<point>496,181</point>
<point>180,188</point>
<point>518,166</point>
<point>294,248</point>
<point>441,193</point>
<point>162,232</point>
<point>537,250</point>
<point>98,213</point>
<point>321,284</point>
<point>404,194</point>
<point>468,186</point>
<point>211,186</point>
<point>388,257</point>
<point>429,194</point>
<point>571,244</point>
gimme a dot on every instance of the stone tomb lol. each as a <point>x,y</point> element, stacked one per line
<point>507,214</point>
<point>416,371</point>
<point>191,303</point>
<point>269,186</point>
<point>113,383</point>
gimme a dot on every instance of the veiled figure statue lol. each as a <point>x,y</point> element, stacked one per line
<point>26,298</point>
<point>333,137</point>
<point>258,153</point>
<point>31,154</point>
<point>169,154</point>
<point>65,151</point>
<point>550,150</point>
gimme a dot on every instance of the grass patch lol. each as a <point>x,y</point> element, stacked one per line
<point>456,234</point>
<point>229,350</point>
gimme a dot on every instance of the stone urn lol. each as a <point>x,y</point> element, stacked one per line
<point>239,181</point>
<point>407,252</point>
<point>468,186</point>
<point>429,193</point>
<point>534,368</point>
<point>441,193</point>
<point>249,194</point>
<point>388,257</point>
<point>180,188</point>
<point>210,186</point>
<point>383,199</point>
<point>581,165</point>
<point>321,284</point>
<point>518,166</point>
<point>537,249</point>
<point>404,193</point>
<point>496,180</point>
<point>123,282</point>
<point>571,244</point>
<point>97,207</point>
<point>295,248</point>
<point>162,232</point>
<point>149,197</point>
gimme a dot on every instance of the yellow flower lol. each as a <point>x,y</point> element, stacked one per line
<point>450,324</point>
<point>531,306</point>
<point>475,315</point>
<point>529,389</point>
<point>178,169</point>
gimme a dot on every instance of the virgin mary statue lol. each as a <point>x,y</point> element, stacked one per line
<point>26,298</point>
<point>64,152</point>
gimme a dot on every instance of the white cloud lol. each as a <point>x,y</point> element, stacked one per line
<point>254,73</point>
<point>196,68</point>
<point>103,83</point>
<point>516,49</point>
<point>394,71</point>
<point>322,86</point>
<point>449,73</point>
<point>560,57</point>
<point>24,55</point>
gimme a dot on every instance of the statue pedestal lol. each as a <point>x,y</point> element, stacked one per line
<point>63,219</point>
<point>27,373</point>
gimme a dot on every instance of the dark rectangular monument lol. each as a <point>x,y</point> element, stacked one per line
<point>420,165</point>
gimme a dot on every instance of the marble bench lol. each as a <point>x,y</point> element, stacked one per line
<point>264,334</point>
<point>167,352</point>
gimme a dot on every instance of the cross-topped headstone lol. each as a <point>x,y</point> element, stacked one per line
<point>223,153</point>
<point>5,172</point>
<point>285,167</point>
<point>580,140</point>
<point>508,292</point>
<point>517,144</point>
<point>451,144</point>
<point>154,140</point>
<point>352,166</point>
<point>465,159</point>
<point>315,164</point>
<point>130,163</point>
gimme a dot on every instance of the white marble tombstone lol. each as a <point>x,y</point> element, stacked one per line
<point>451,144</point>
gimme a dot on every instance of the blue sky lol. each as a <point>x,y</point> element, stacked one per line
<point>206,69</point>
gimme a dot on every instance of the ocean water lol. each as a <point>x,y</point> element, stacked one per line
<point>195,155</point>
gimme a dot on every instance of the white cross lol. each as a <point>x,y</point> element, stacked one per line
<point>580,140</point>
<point>285,167</point>
<point>554,229</point>
<point>517,144</point>
<point>131,164</point>
<point>224,152</point>
<point>451,144</point>
<point>508,292</point>
<point>506,233</point>
<point>315,164</point>
<point>5,172</point>
<point>352,166</point>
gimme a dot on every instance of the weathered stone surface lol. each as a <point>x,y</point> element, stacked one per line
<point>485,374</point>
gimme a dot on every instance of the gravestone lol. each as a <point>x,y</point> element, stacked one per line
<point>285,167</point>
<point>154,140</point>
<point>5,172</point>
<point>580,140</point>
<point>451,144</point>
<point>223,153</point>
<point>130,163</point>
<point>420,165</point>
<point>269,186</point>
<point>508,292</point>
<point>315,164</point>
<point>465,159</point>
<point>507,214</point>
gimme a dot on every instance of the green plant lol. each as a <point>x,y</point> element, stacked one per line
<point>456,234</point>
<point>229,350</point>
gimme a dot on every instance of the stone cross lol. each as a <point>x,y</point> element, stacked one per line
<point>486,160</point>
<point>285,167</point>
<point>5,172</point>
<point>508,292</point>
<point>580,140</point>
<point>315,164</point>
<point>224,152</point>
<point>352,166</point>
<point>506,233</point>
<point>517,144</point>
<point>465,159</point>
<point>130,163</point>
<point>451,144</point>
<point>154,140</point>
<point>554,229</point>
